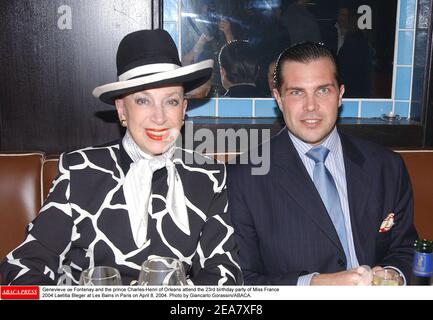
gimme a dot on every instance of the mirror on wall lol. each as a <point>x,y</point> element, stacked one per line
<point>361,34</point>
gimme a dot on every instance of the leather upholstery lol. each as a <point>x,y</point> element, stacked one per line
<point>20,196</point>
<point>25,180</point>
<point>420,167</point>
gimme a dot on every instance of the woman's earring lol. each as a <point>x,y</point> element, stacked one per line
<point>123,123</point>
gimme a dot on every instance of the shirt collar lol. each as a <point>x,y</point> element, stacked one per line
<point>331,142</point>
<point>125,163</point>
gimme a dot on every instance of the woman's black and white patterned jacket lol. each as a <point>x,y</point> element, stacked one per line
<point>84,222</point>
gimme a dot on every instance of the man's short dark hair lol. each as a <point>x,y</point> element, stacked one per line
<point>305,52</point>
<point>239,62</point>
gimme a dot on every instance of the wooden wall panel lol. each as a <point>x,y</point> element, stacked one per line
<point>47,73</point>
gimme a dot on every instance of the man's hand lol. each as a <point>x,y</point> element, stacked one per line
<point>226,28</point>
<point>198,47</point>
<point>353,277</point>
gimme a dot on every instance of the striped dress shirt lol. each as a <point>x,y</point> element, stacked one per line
<point>335,164</point>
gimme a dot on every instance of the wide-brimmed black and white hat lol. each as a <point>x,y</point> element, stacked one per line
<point>148,59</point>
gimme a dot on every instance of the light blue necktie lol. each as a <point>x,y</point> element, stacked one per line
<point>325,185</point>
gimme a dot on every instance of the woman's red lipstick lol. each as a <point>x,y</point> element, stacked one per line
<point>156,134</point>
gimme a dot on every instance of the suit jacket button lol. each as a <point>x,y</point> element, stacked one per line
<point>341,262</point>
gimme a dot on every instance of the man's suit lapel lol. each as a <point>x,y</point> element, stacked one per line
<point>358,187</point>
<point>291,174</point>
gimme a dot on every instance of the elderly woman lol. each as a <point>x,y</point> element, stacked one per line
<point>121,203</point>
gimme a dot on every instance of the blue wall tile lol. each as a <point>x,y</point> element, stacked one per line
<point>405,47</point>
<point>402,108</point>
<point>235,108</point>
<point>349,109</point>
<point>267,108</point>
<point>201,108</point>
<point>403,83</point>
<point>407,14</point>
<point>375,109</point>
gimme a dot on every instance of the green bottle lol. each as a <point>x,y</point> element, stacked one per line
<point>422,268</point>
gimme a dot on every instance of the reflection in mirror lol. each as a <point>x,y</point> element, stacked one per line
<point>361,33</point>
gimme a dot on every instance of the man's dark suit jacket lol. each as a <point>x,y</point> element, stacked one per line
<point>242,91</point>
<point>284,231</point>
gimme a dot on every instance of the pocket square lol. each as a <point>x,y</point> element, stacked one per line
<point>387,223</point>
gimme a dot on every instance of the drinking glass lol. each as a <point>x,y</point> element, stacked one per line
<point>100,276</point>
<point>162,271</point>
<point>387,277</point>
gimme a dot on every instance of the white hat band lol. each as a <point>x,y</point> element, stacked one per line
<point>147,69</point>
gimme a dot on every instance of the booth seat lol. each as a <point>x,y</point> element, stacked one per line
<point>25,180</point>
<point>21,195</point>
<point>419,164</point>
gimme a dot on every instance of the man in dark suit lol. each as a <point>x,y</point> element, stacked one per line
<point>312,220</point>
<point>238,69</point>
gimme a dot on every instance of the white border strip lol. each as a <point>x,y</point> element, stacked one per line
<point>359,108</point>
<point>414,151</point>
<point>253,106</point>
<point>22,154</point>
